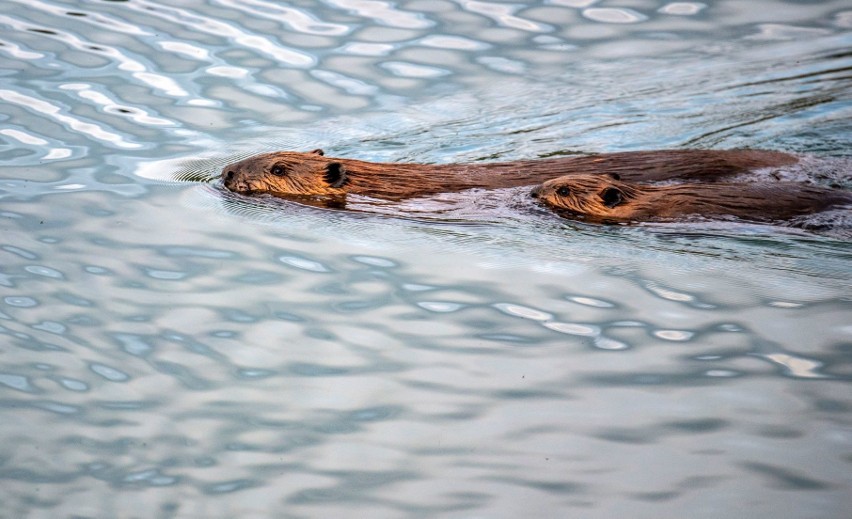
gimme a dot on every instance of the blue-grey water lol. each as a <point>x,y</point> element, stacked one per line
<point>169,349</point>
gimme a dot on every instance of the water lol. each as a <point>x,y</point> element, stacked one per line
<point>170,349</point>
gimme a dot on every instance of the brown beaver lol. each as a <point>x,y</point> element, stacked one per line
<point>606,199</point>
<point>288,173</point>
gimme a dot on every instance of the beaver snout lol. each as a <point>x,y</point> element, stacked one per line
<point>232,178</point>
<point>535,192</point>
<point>229,178</point>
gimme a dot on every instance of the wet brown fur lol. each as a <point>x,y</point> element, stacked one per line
<point>288,173</point>
<point>607,199</point>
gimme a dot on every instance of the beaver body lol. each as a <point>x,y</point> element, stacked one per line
<point>297,174</point>
<point>607,199</point>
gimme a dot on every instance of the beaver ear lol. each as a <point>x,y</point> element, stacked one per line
<point>612,197</point>
<point>335,175</point>
<point>318,151</point>
<point>614,176</point>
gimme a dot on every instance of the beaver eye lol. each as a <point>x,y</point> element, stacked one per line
<point>611,197</point>
<point>563,191</point>
<point>278,170</point>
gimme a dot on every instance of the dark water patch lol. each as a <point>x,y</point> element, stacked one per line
<point>37,477</point>
<point>780,433</point>
<point>657,496</point>
<point>226,487</point>
<point>529,394</point>
<point>551,487</point>
<point>129,405</point>
<point>706,425</point>
<point>785,479</point>
<point>657,433</point>
<point>641,379</point>
<point>352,487</point>
<point>628,436</point>
<point>183,375</point>
<point>833,406</point>
<point>512,339</point>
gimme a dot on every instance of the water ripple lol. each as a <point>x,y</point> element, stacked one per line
<point>583,330</point>
<point>17,382</point>
<point>20,301</point>
<point>614,15</point>
<point>212,26</point>
<point>109,373</point>
<point>367,49</point>
<point>108,105</point>
<point>503,14</point>
<point>304,264</point>
<point>385,13</point>
<point>796,366</point>
<point>54,112</point>
<point>138,70</point>
<point>591,301</point>
<point>523,311</point>
<point>413,70</point>
<point>441,41</point>
<point>158,333</point>
<point>87,17</point>
<point>683,8</point>
<point>292,18</point>
<point>347,84</point>
<point>674,335</point>
<point>17,52</point>
<point>440,306</point>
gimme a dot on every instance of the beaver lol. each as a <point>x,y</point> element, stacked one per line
<point>312,174</point>
<point>607,199</point>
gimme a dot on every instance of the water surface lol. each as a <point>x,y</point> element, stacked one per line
<point>169,349</point>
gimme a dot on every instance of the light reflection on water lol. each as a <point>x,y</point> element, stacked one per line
<point>171,348</point>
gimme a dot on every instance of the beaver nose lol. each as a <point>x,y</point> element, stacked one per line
<point>535,192</point>
<point>229,177</point>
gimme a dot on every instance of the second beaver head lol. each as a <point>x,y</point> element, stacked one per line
<point>601,197</point>
<point>287,173</point>
<point>605,199</point>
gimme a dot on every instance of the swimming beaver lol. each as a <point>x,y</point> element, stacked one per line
<point>288,173</point>
<point>605,198</point>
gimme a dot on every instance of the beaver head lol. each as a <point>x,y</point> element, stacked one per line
<point>600,197</point>
<point>287,173</point>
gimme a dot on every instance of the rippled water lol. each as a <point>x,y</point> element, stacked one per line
<point>169,349</point>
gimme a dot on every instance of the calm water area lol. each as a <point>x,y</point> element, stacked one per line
<point>169,349</point>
